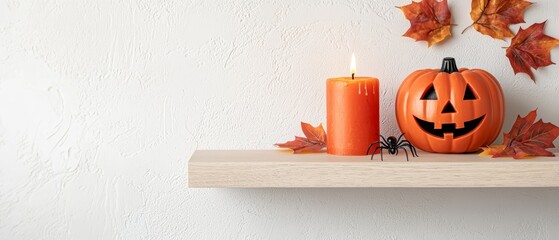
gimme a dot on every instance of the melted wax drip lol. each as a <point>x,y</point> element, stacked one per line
<point>359,88</point>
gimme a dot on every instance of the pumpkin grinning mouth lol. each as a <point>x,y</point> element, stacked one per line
<point>449,127</point>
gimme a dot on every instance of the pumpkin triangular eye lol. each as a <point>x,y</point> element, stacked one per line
<point>430,94</point>
<point>469,94</point>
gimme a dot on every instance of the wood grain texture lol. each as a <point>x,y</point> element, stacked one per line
<point>281,169</point>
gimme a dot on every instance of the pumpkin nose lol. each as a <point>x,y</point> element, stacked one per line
<point>448,108</point>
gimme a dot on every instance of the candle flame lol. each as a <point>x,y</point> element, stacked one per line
<point>352,68</point>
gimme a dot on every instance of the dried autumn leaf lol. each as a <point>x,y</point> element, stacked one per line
<point>429,19</point>
<point>314,134</point>
<point>527,138</point>
<point>493,17</point>
<point>301,144</point>
<point>531,48</point>
<point>315,140</point>
<point>492,150</point>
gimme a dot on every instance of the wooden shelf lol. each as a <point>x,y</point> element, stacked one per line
<point>282,169</point>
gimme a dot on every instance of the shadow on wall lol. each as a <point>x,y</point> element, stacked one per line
<point>487,211</point>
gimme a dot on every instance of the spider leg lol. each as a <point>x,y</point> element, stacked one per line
<point>405,141</point>
<point>373,155</point>
<point>383,139</point>
<point>383,145</point>
<point>400,137</point>
<point>407,159</point>
<point>369,148</point>
<point>412,149</point>
<point>401,143</point>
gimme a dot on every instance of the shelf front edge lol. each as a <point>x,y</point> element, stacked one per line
<point>310,174</point>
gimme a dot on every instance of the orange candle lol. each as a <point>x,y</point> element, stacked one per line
<point>352,110</point>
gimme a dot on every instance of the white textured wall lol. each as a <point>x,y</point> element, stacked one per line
<point>103,102</point>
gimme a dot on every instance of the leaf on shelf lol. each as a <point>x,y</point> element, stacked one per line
<point>526,138</point>
<point>531,48</point>
<point>492,150</point>
<point>315,140</point>
<point>429,19</point>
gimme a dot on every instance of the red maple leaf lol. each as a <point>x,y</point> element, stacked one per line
<point>527,138</point>
<point>315,140</point>
<point>531,48</point>
<point>429,20</point>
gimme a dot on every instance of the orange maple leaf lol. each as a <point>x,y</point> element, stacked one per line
<point>315,140</point>
<point>531,48</point>
<point>429,20</point>
<point>493,17</point>
<point>526,138</point>
<point>492,150</point>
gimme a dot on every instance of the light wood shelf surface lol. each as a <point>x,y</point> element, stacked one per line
<point>282,169</point>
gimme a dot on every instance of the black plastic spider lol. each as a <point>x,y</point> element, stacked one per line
<point>392,145</point>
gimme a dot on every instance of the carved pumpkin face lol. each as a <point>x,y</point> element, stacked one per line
<point>450,110</point>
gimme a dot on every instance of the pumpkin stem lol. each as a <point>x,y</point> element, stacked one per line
<point>449,65</point>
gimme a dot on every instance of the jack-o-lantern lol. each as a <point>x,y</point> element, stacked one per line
<point>450,110</point>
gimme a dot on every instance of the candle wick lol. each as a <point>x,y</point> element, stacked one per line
<point>353,76</point>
